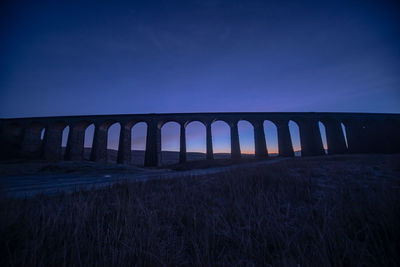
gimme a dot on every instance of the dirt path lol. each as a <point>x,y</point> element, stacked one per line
<point>50,183</point>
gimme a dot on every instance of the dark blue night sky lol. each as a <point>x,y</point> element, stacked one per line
<point>111,57</point>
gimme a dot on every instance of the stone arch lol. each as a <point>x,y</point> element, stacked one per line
<point>221,139</point>
<point>271,137</point>
<point>295,137</point>
<point>170,142</point>
<point>217,119</point>
<point>166,121</point>
<point>58,125</point>
<point>195,140</point>
<point>246,138</point>
<point>138,142</point>
<point>189,121</point>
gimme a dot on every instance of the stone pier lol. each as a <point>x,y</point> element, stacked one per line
<point>285,145</point>
<point>75,143</point>
<point>235,144</point>
<point>310,138</point>
<point>209,146</point>
<point>153,145</point>
<point>182,143</point>
<point>99,149</point>
<point>335,137</point>
<point>52,142</point>
<point>260,145</point>
<point>124,146</point>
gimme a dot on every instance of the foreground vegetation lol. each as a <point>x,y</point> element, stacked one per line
<point>337,211</point>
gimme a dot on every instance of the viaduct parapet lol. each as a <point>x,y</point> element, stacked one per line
<point>365,133</point>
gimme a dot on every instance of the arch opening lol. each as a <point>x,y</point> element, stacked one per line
<point>42,142</point>
<point>271,138</point>
<point>88,142</point>
<point>113,133</point>
<point>170,143</point>
<point>221,138</point>
<point>42,133</point>
<point>138,143</point>
<point>295,136</point>
<point>195,141</point>
<point>344,134</point>
<point>64,140</point>
<point>246,139</point>
<point>322,132</point>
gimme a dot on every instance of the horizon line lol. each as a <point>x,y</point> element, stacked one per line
<point>203,113</point>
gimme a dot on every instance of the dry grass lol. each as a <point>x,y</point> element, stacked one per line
<point>309,212</point>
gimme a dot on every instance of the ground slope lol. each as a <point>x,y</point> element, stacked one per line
<point>322,211</point>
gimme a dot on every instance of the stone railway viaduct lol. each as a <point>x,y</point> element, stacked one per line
<point>366,133</point>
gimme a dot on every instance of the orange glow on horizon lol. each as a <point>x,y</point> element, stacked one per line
<point>249,152</point>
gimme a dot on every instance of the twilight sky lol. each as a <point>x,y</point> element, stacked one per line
<point>111,57</point>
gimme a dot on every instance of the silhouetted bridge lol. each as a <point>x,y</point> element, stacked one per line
<point>365,133</point>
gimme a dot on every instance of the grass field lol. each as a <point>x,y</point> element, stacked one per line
<point>325,211</point>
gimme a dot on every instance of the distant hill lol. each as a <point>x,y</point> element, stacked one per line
<point>168,157</point>
<point>171,157</point>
